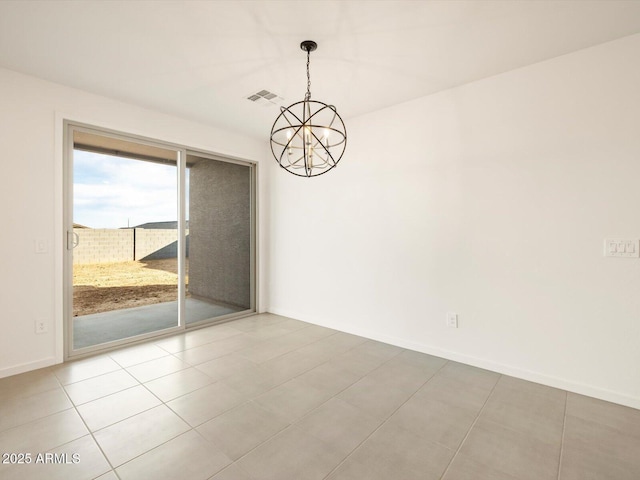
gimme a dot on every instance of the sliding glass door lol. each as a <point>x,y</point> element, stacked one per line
<point>157,239</point>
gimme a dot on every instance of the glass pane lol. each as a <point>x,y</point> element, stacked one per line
<point>218,238</point>
<point>125,280</point>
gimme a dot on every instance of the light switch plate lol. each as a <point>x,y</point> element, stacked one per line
<point>40,245</point>
<point>622,247</point>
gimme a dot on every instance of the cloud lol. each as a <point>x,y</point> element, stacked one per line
<point>113,192</point>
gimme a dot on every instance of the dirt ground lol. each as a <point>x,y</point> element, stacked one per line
<point>105,287</point>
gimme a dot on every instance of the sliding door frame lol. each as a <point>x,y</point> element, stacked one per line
<point>69,127</point>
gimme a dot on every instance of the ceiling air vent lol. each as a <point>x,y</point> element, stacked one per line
<point>265,98</point>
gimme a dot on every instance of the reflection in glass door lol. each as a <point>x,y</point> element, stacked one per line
<point>219,245</point>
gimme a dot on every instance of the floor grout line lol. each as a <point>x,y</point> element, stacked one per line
<point>564,424</point>
<point>471,428</point>
<point>384,422</point>
<point>162,403</point>
<point>192,428</point>
<point>244,402</point>
<point>293,424</point>
<point>248,400</point>
<point>92,434</point>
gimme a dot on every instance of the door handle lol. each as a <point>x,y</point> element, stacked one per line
<point>73,240</point>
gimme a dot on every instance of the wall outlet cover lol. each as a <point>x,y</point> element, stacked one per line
<point>41,326</point>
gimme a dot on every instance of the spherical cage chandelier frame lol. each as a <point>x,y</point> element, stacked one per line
<point>308,138</point>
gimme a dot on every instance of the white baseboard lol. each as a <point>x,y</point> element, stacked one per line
<point>537,377</point>
<point>27,367</point>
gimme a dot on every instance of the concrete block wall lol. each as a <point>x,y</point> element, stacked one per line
<point>154,244</point>
<point>102,245</point>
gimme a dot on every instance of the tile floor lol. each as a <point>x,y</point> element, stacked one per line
<point>267,397</point>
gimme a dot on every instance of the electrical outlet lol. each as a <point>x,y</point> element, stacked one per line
<point>41,326</point>
<point>452,320</point>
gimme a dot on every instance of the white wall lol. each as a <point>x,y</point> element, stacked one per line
<point>491,200</point>
<point>31,115</point>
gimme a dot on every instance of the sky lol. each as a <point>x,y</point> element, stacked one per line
<point>114,192</point>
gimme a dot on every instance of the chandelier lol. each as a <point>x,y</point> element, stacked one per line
<point>308,138</point>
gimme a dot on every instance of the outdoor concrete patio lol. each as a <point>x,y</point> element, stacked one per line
<point>89,330</point>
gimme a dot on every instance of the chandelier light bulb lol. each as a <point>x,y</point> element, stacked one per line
<point>307,135</point>
<point>289,149</point>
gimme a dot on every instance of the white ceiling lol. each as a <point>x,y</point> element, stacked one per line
<point>200,60</point>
